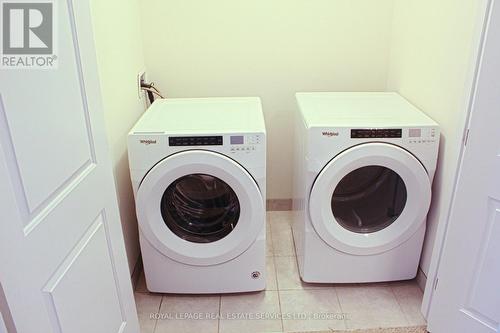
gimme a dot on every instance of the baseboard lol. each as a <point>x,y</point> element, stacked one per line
<point>421,279</point>
<point>279,204</point>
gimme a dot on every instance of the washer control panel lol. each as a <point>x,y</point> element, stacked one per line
<point>422,135</point>
<point>376,133</point>
<point>183,141</point>
<point>244,143</point>
<point>232,143</point>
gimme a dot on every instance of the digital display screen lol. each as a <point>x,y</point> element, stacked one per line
<point>195,141</point>
<point>415,133</point>
<point>376,133</point>
<point>236,140</point>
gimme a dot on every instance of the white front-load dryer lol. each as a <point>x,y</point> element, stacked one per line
<point>364,164</point>
<point>198,170</point>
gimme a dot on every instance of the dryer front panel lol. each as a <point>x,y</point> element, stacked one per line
<point>370,199</point>
<point>200,208</point>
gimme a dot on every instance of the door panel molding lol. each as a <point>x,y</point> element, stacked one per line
<point>83,91</point>
<point>482,278</point>
<point>57,293</point>
<point>31,218</point>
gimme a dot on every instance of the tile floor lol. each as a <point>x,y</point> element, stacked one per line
<point>343,306</point>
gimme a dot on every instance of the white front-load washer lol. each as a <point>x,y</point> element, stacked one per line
<point>198,169</point>
<point>364,165</point>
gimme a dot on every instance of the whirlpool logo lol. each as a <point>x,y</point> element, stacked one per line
<point>147,142</point>
<point>330,134</point>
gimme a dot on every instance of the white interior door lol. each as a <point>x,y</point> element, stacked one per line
<point>467,294</point>
<point>62,259</point>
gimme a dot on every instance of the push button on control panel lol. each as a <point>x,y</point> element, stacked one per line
<point>246,149</point>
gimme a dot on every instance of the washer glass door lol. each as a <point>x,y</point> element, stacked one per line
<point>369,199</point>
<point>200,208</point>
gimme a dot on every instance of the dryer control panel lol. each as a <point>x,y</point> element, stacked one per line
<point>422,135</point>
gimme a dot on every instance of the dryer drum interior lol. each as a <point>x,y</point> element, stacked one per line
<point>369,199</point>
<point>200,208</point>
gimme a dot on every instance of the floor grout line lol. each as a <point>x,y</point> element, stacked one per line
<point>270,235</point>
<point>279,296</point>
<point>159,311</point>
<point>293,243</point>
<point>340,306</point>
<point>218,319</point>
<point>400,306</point>
<point>276,276</point>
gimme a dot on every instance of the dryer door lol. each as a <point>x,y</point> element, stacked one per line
<point>370,199</point>
<point>200,208</point>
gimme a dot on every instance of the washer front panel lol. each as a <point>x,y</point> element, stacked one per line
<point>406,171</point>
<point>250,221</point>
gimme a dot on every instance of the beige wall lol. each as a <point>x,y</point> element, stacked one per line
<point>119,54</point>
<point>270,49</point>
<point>431,65</point>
